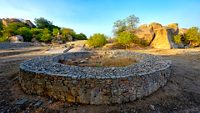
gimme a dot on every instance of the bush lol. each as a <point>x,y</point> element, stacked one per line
<point>80,36</point>
<point>45,36</point>
<point>25,32</point>
<point>97,40</point>
<point>177,39</point>
<point>3,39</point>
<point>125,38</point>
<point>193,36</point>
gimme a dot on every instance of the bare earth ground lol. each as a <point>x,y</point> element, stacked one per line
<point>181,94</point>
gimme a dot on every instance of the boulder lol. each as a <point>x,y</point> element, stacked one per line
<point>15,39</point>
<point>174,27</point>
<point>153,26</point>
<point>145,33</point>
<point>29,23</point>
<point>183,31</point>
<point>163,39</point>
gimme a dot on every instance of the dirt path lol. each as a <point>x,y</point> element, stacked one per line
<point>181,94</point>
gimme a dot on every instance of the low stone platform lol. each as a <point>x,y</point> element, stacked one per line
<point>94,85</point>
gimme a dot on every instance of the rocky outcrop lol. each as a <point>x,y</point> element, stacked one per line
<point>17,38</point>
<point>163,39</point>
<point>155,26</point>
<point>145,32</point>
<point>183,31</point>
<point>7,21</point>
<point>158,36</point>
<point>29,23</point>
<point>174,27</point>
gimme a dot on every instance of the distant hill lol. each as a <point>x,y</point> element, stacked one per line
<point>7,21</point>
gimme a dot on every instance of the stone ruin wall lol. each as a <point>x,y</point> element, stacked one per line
<point>87,89</point>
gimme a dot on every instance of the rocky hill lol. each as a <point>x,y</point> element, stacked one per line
<point>7,21</point>
<point>158,36</point>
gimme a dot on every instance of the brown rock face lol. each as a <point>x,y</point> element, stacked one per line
<point>183,31</point>
<point>145,33</point>
<point>29,23</point>
<point>174,27</point>
<point>7,21</point>
<point>155,26</point>
<point>17,38</point>
<point>163,39</point>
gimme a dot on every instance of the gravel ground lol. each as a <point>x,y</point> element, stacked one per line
<point>180,95</point>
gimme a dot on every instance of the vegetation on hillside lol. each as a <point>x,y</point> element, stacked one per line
<point>44,31</point>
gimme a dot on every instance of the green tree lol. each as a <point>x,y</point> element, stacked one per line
<point>43,23</point>
<point>177,39</point>
<point>36,33</point>
<point>97,40</point>
<point>193,36</point>
<point>126,24</point>
<point>12,28</point>
<point>55,32</point>
<point>46,36</point>
<point>67,34</point>
<point>25,32</point>
<point>80,36</point>
<point>1,25</point>
<point>125,38</point>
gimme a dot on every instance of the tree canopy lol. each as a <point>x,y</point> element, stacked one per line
<point>126,24</point>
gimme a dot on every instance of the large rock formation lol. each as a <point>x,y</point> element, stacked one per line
<point>163,39</point>
<point>174,27</point>
<point>158,36</point>
<point>7,21</point>
<point>145,32</point>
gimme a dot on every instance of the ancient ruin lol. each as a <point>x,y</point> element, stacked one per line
<point>94,84</point>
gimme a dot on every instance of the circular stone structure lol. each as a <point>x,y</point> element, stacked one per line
<point>46,76</point>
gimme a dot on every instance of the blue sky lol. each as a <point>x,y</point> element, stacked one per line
<point>98,16</point>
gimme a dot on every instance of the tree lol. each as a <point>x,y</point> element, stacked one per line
<point>177,39</point>
<point>36,33</point>
<point>25,32</point>
<point>126,24</point>
<point>80,36</point>
<point>12,28</point>
<point>119,26</point>
<point>1,25</point>
<point>67,34</point>
<point>55,32</point>
<point>131,22</point>
<point>43,23</point>
<point>45,36</point>
<point>97,40</point>
<point>125,38</point>
<point>193,36</point>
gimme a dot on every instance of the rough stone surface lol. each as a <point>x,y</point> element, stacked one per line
<point>163,39</point>
<point>17,38</point>
<point>146,33</point>
<point>94,85</point>
<point>174,27</point>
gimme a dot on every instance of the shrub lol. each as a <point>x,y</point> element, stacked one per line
<point>3,39</point>
<point>177,39</point>
<point>80,36</point>
<point>45,36</point>
<point>193,36</point>
<point>97,40</point>
<point>25,32</point>
<point>125,38</point>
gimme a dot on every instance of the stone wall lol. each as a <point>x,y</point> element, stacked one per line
<point>94,85</point>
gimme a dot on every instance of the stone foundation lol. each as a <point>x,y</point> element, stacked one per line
<point>94,85</point>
